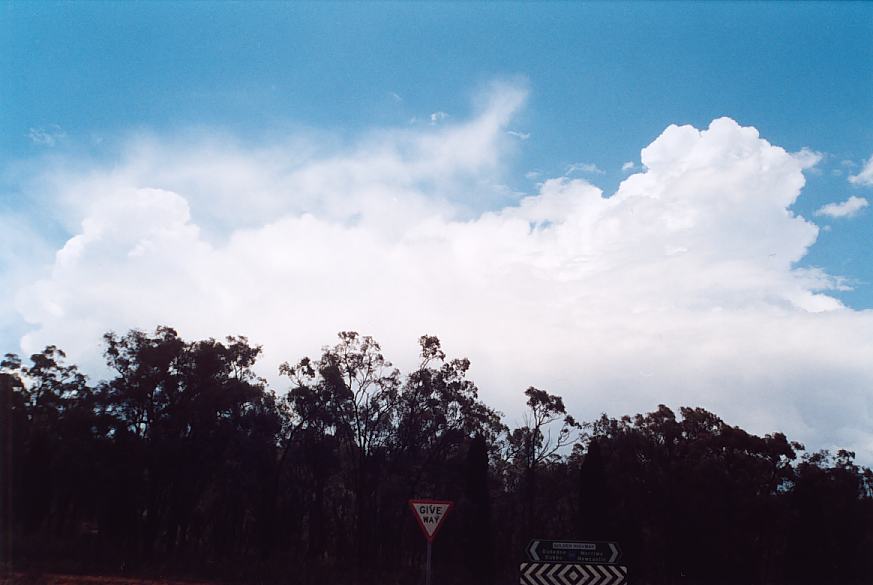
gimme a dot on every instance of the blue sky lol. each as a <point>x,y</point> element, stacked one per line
<point>228,124</point>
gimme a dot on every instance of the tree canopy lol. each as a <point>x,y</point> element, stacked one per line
<point>185,462</point>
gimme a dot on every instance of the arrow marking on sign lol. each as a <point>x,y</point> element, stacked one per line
<point>573,551</point>
<point>614,550</point>
<point>572,574</point>
<point>597,576</point>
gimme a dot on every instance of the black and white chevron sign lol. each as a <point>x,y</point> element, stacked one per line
<point>570,574</point>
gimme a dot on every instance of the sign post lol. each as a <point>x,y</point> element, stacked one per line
<point>427,569</point>
<point>430,515</point>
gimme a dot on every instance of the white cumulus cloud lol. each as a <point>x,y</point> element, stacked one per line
<point>682,287</point>
<point>848,208</point>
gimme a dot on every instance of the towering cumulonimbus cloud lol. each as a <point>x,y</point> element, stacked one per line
<point>681,288</point>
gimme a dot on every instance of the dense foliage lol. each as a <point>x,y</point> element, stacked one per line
<point>185,462</point>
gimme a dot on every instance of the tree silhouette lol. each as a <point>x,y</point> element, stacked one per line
<point>480,531</point>
<point>537,442</point>
<point>593,496</point>
<point>185,462</point>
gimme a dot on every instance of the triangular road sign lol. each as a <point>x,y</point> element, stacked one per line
<point>430,515</point>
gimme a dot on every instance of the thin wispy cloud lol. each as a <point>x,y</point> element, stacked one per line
<point>586,168</point>
<point>437,117</point>
<point>865,176</point>
<point>848,208</point>
<point>807,157</point>
<point>49,135</point>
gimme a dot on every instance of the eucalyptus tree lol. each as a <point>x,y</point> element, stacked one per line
<point>439,412</point>
<point>546,431</point>
<point>354,390</point>
<point>54,425</point>
<point>192,417</point>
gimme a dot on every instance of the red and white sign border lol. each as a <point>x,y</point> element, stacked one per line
<point>415,502</point>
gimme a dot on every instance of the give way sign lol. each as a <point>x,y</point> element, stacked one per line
<point>430,515</point>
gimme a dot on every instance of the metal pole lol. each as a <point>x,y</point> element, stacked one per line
<point>427,574</point>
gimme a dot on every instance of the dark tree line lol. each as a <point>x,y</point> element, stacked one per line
<point>184,462</point>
